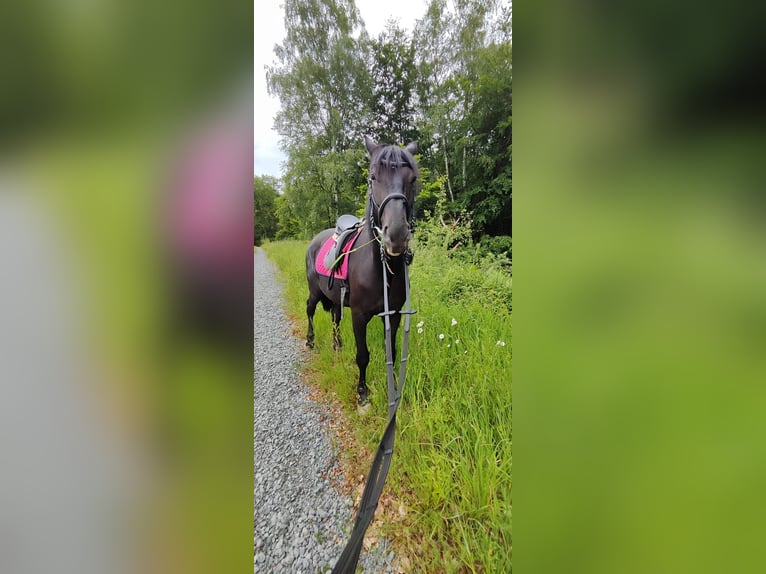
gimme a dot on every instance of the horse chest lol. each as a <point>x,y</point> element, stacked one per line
<point>369,297</point>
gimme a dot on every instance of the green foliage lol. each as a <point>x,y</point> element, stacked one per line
<point>447,86</point>
<point>320,77</point>
<point>488,177</point>
<point>501,245</point>
<point>453,462</point>
<point>454,236</point>
<point>392,71</point>
<point>465,99</point>
<point>288,225</point>
<point>322,80</point>
<point>320,187</point>
<point>75,68</point>
<point>473,273</point>
<point>265,220</point>
<point>432,192</point>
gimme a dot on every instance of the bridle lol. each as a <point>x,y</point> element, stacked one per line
<point>376,210</point>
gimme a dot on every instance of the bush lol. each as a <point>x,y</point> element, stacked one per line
<point>501,245</point>
<point>486,283</point>
<point>455,238</point>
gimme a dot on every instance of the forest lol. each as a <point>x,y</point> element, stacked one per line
<point>447,85</point>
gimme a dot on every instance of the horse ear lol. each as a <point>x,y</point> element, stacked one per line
<point>412,147</point>
<point>370,144</point>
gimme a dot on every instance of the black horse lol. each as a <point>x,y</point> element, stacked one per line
<point>387,226</point>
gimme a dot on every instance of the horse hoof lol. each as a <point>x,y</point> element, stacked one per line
<point>362,409</point>
<point>310,344</point>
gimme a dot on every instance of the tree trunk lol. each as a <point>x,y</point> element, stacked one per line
<point>463,169</point>
<point>335,198</point>
<point>446,169</point>
<point>333,179</point>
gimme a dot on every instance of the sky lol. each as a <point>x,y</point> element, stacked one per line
<point>268,31</point>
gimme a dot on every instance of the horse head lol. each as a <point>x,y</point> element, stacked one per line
<point>393,174</point>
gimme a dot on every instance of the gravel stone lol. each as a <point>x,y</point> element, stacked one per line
<point>299,518</point>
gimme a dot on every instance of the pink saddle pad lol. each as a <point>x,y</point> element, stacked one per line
<point>342,271</point>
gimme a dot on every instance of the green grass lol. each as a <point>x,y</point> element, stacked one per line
<point>453,460</point>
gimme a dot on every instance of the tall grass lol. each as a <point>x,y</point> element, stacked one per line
<point>453,460</point>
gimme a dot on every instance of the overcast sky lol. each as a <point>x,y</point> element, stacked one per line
<point>269,30</point>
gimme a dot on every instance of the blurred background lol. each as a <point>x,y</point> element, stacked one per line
<point>640,300</point>
<point>125,227</point>
<point>126,157</point>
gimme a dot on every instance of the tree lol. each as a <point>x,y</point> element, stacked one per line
<point>323,84</point>
<point>393,73</point>
<point>318,188</point>
<point>288,224</point>
<point>488,125</point>
<point>464,90</point>
<point>320,77</point>
<point>436,55</point>
<point>448,86</point>
<point>265,222</point>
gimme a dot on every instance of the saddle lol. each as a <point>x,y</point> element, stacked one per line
<point>346,228</point>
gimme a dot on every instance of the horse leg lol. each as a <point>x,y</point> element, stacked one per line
<point>360,321</point>
<point>311,307</point>
<point>337,342</point>
<point>395,320</point>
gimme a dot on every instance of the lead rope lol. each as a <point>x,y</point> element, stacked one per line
<point>381,463</point>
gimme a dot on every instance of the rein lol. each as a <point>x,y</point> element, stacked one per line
<point>379,471</point>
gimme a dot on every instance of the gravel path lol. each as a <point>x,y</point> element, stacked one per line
<point>301,521</point>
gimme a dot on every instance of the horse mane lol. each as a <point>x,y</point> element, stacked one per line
<point>393,157</point>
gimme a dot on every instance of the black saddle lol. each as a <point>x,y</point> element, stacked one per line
<point>345,227</point>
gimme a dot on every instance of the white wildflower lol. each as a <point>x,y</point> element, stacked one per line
<point>448,345</point>
<point>441,336</point>
<point>457,341</point>
<point>420,329</point>
<point>454,321</point>
<point>500,344</point>
<point>420,325</point>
